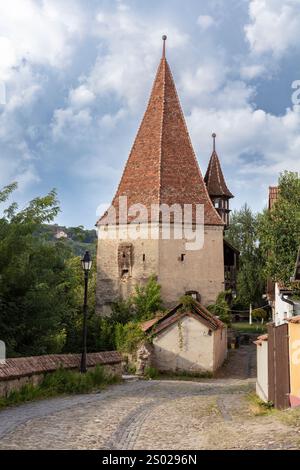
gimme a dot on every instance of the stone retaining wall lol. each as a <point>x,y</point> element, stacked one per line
<point>16,372</point>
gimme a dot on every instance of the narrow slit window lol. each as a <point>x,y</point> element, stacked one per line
<point>182,256</point>
<point>144,257</point>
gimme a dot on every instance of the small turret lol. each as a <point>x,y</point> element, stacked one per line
<point>216,185</point>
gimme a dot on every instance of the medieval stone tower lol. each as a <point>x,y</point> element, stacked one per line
<point>161,169</point>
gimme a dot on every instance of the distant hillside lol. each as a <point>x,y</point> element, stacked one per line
<point>77,238</point>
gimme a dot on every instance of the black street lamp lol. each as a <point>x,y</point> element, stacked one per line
<point>86,264</point>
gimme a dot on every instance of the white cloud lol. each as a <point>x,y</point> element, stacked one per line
<point>249,72</point>
<point>207,78</point>
<point>205,22</point>
<point>81,97</point>
<point>109,121</point>
<point>132,49</point>
<point>38,32</point>
<point>34,35</point>
<point>129,47</point>
<point>67,121</point>
<point>274,26</point>
<point>270,142</point>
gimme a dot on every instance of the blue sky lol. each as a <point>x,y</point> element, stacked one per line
<point>77,76</point>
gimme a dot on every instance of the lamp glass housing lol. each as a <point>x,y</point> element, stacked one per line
<point>86,262</point>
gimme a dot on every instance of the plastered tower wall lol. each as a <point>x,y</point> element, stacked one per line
<point>201,270</point>
<point>113,282</point>
<point>178,270</point>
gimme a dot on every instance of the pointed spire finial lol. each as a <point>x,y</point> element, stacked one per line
<point>214,135</point>
<point>164,38</point>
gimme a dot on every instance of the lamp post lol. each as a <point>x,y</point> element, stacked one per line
<point>86,264</point>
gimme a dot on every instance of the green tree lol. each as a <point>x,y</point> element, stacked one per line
<point>221,308</point>
<point>32,278</point>
<point>243,234</point>
<point>279,230</point>
<point>147,300</point>
<point>73,318</point>
<point>259,314</point>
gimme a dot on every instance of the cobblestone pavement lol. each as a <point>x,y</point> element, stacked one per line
<point>241,363</point>
<point>158,414</point>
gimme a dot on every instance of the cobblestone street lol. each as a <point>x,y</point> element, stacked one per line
<point>158,414</point>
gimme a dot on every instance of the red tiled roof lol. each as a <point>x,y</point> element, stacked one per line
<point>196,310</point>
<point>294,319</point>
<point>148,324</point>
<point>214,178</point>
<point>162,167</point>
<point>23,366</point>
<point>260,340</point>
<point>263,338</point>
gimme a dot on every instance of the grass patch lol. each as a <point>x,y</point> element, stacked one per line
<point>257,406</point>
<point>244,327</point>
<point>151,373</point>
<point>61,382</point>
<point>290,417</point>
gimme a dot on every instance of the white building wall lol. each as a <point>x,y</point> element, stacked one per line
<point>262,371</point>
<point>220,347</point>
<point>187,347</point>
<point>282,310</point>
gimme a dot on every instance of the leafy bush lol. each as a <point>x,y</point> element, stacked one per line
<point>187,301</point>
<point>128,336</point>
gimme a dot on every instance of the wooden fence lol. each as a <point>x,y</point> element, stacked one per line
<point>278,366</point>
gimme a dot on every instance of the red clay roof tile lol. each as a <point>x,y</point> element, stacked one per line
<point>196,309</point>
<point>162,167</point>
<point>214,178</point>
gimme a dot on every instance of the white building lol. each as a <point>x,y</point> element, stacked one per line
<point>60,234</point>
<point>262,382</point>
<point>188,339</point>
<point>283,306</point>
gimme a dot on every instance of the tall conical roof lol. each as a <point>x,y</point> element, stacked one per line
<point>162,167</point>
<point>214,178</point>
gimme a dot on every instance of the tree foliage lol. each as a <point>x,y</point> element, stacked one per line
<point>279,230</point>
<point>259,314</point>
<point>243,234</point>
<point>41,285</point>
<point>147,299</point>
<point>221,308</point>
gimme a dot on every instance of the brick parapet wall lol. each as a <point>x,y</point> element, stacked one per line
<point>16,372</point>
